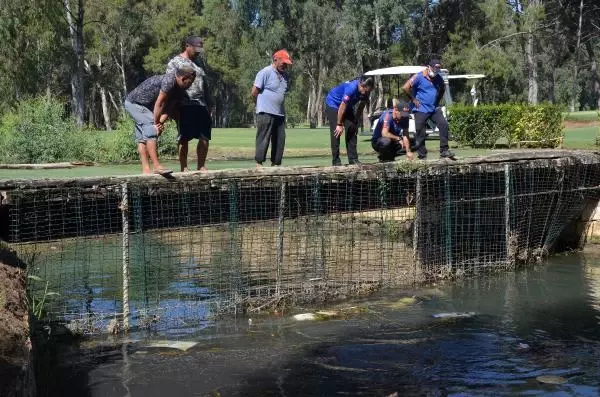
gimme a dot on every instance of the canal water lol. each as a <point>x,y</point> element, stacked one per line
<point>533,332</point>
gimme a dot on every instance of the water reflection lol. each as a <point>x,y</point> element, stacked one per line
<point>537,321</point>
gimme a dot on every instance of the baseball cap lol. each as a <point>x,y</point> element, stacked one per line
<point>402,107</point>
<point>284,56</point>
<point>435,63</point>
<point>194,41</point>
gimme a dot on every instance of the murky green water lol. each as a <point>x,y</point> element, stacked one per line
<point>539,321</point>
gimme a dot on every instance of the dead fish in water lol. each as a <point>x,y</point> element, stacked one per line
<point>454,315</point>
<point>551,379</point>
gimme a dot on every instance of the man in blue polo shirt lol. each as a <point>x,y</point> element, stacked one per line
<point>425,90</point>
<point>340,103</point>
<point>390,137</point>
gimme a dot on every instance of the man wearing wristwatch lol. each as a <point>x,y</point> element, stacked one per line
<point>390,137</point>
<point>425,91</point>
<point>150,104</point>
<point>340,103</point>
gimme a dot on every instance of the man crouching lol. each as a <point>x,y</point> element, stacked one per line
<point>390,138</point>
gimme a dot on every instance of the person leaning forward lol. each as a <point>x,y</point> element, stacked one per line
<point>150,104</point>
<point>390,137</point>
<point>194,119</point>
<point>270,87</point>
<point>340,102</point>
<point>425,91</point>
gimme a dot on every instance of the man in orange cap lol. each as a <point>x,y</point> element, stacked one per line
<point>270,87</point>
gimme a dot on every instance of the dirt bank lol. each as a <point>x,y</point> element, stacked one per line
<point>16,370</point>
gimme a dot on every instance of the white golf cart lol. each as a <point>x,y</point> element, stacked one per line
<point>403,73</point>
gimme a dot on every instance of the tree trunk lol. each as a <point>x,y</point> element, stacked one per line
<point>594,75</point>
<point>308,108</point>
<point>531,61</point>
<point>575,91</point>
<point>421,34</point>
<point>103,100</point>
<point>77,76</point>
<point>319,96</point>
<point>114,103</point>
<point>122,67</point>
<point>92,108</point>
<point>105,109</point>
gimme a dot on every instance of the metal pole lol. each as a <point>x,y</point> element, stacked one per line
<point>125,219</point>
<point>280,236</point>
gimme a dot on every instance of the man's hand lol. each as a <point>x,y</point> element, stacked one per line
<point>160,127</point>
<point>338,131</point>
<point>416,102</point>
<point>410,155</point>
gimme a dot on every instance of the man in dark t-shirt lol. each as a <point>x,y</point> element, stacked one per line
<point>150,104</point>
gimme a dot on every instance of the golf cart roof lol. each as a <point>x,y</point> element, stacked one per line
<point>396,70</point>
<point>399,70</point>
<point>466,76</point>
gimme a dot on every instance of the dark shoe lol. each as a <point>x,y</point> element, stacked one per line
<point>422,156</point>
<point>336,162</point>
<point>447,154</point>
<point>354,162</point>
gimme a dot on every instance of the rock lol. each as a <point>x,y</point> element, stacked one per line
<point>551,379</point>
<point>326,314</point>
<point>305,317</point>
<point>454,315</point>
<point>180,345</point>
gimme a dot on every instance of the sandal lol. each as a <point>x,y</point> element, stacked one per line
<point>163,171</point>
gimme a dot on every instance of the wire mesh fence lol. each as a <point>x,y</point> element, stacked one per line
<point>169,255</point>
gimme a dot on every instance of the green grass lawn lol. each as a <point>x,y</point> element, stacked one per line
<point>590,115</point>
<point>234,148</point>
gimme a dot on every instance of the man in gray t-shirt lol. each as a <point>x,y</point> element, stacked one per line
<point>195,120</point>
<point>150,104</point>
<point>270,87</point>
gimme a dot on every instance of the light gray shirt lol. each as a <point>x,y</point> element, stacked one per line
<point>198,91</point>
<point>272,86</point>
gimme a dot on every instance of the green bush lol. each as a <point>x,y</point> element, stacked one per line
<point>38,132</point>
<point>485,125</point>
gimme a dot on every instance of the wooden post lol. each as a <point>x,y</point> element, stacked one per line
<point>280,224</point>
<point>507,229</point>
<point>448,221</point>
<point>125,219</point>
<point>416,226</point>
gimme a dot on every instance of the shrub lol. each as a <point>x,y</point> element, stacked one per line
<point>484,125</point>
<point>38,132</point>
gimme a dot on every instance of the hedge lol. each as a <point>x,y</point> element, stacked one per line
<point>38,132</point>
<point>486,125</point>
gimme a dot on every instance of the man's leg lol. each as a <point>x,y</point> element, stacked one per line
<point>263,136</point>
<point>335,142</point>
<point>420,126</point>
<point>351,140</point>
<point>205,126</point>
<point>152,148</point>
<point>386,149</point>
<point>277,140</point>
<point>183,153</point>
<point>442,125</point>
<point>202,152</point>
<point>144,157</point>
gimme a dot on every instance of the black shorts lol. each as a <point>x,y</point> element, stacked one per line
<point>194,123</point>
